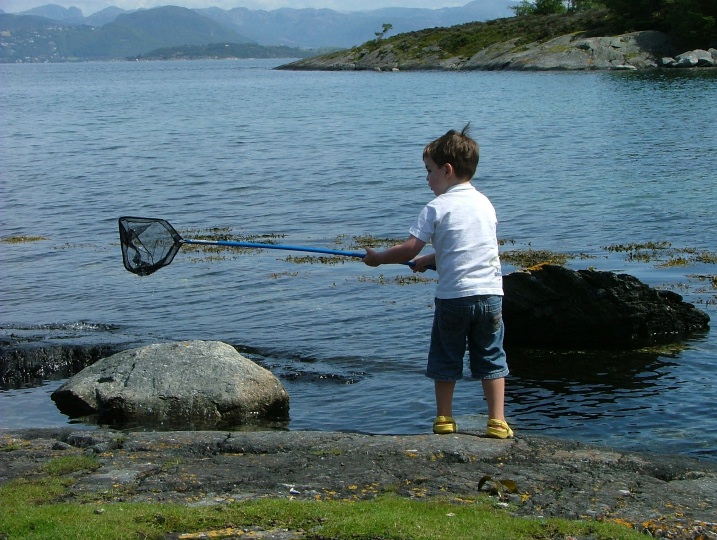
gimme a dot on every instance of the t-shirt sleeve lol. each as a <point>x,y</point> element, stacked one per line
<point>425,224</point>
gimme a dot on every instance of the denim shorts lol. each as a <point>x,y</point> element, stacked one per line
<point>475,322</point>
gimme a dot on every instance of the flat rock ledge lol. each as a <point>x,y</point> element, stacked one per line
<point>571,52</point>
<point>663,496</point>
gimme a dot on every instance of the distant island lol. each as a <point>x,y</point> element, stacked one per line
<point>219,51</point>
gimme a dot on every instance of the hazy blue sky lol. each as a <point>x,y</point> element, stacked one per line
<point>91,6</point>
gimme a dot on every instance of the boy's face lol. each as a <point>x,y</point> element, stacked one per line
<point>438,177</point>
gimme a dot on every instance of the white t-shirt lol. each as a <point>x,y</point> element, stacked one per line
<point>461,224</point>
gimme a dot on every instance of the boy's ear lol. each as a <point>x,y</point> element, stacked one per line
<point>450,171</point>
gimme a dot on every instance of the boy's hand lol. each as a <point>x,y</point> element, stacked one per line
<point>371,257</point>
<point>421,264</point>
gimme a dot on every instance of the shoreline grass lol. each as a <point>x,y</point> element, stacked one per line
<point>36,508</point>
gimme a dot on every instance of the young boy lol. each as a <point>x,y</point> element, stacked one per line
<point>461,224</point>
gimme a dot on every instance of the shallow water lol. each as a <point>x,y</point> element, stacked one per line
<point>573,162</point>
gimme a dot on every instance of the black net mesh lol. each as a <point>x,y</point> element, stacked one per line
<point>147,244</point>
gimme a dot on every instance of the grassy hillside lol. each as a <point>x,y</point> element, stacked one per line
<point>467,39</point>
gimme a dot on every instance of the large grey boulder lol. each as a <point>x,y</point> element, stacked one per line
<point>555,307</point>
<point>689,59</point>
<point>190,384</point>
<point>698,57</point>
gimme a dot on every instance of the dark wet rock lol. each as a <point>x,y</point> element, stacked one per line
<point>551,306</point>
<point>191,384</point>
<point>59,445</point>
<point>22,364</point>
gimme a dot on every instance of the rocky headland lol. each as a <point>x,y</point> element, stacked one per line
<point>570,52</point>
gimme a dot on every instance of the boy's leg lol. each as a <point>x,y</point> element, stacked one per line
<point>494,391</point>
<point>445,356</point>
<point>488,362</point>
<point>444,422</point>
<point>444,397</point>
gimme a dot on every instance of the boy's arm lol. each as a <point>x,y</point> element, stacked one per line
<point>401,253</point>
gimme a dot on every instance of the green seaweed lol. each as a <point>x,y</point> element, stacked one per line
<point>408,279</point>
<point>21,239</point>
<point>314,259</point>
<point>663,254</point>
<point>526,258</point>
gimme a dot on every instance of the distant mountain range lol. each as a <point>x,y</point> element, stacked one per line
<point>30,38</point>
<point>327,28</point>
<point>115,33</point>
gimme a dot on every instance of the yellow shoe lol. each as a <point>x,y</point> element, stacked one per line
<point>444,424</point>
<point>499,429</point>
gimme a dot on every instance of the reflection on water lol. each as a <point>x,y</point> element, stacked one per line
<point>575,386</point>
<point>634,399</point>
<point>597,372</point>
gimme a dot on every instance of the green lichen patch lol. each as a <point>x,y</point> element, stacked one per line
<point>70,464</point>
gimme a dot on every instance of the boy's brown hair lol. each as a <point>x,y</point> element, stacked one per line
<point>455,148</point>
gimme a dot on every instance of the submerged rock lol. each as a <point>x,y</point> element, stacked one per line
<point>552,306</point>
<point>191,384</point>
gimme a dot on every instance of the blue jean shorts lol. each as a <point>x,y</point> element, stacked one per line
<point>473,322</point>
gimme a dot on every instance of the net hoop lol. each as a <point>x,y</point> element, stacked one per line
<point>147,244</point>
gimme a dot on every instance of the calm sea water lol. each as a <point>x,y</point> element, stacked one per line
<point>573,162</point>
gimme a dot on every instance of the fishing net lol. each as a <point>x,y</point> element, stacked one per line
<point>147,244</point>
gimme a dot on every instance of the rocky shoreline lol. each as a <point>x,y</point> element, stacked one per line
<point>660,495</point>
<point>665,496</point>
<point>572,52</point>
